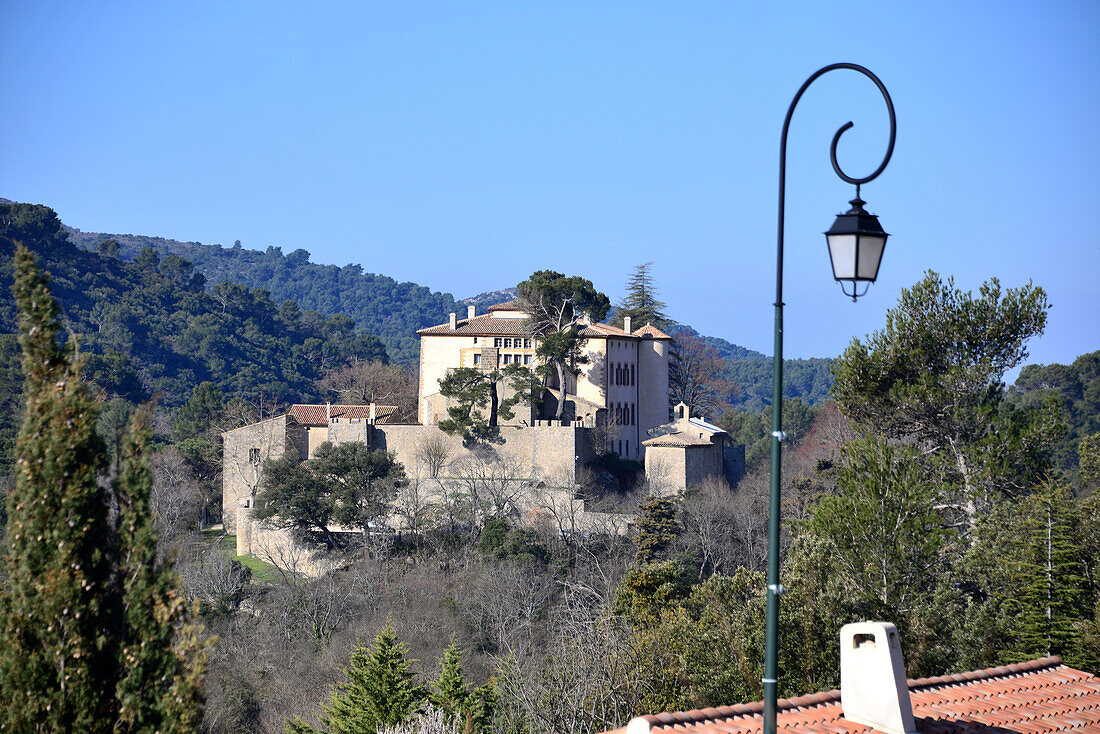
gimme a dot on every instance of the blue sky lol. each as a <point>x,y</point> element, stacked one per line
<point>464,145</point>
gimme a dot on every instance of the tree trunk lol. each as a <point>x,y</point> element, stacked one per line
<point>561,389</point>
<point>494,403</point>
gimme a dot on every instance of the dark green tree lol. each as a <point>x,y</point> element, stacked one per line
<point>640,302</point>
<point>59,610</point>
<point>343,483</point>
<point>161,654</point>
<point>554,303</point>
<point>932,377</point>
<point>93,635</point>
<point>655,530</point>
<point>108,248</point>
<point>481,397</point>
<point>380,691</point>
<point>884,536</point>
<point>363,482</point>
<point>292,497</point>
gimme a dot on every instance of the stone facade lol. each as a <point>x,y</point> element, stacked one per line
<point>623,383</point>
<point>686,451</point>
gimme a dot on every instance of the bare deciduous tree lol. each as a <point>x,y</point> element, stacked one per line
<point>365,381</point>
<point>176,499</point>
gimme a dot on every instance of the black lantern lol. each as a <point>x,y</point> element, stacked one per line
<point>856,242</point>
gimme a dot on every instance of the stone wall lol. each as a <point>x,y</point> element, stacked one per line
<point>541,451</point>
<point>243,452</point>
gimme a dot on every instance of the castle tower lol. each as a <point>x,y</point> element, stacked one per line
<point>653,355</point>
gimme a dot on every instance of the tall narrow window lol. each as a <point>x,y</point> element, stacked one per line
<point>628,447</point>
<point>527,359</point>
<point>633,422</point>
<point>477,359</point>
<point>632,375</point>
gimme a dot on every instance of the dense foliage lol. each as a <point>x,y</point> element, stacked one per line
<point>1076,387</point>
<point>93,633</point>
<point>379,304</point>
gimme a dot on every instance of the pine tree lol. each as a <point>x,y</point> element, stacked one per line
<point>161,684</point>
<point>640,302</point>
<point>451,692</point>
<point>59,610</point>
<point>657,528</point>
<point>379,692</point>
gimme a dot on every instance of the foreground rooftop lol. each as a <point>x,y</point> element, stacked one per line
<point>1041,695</point>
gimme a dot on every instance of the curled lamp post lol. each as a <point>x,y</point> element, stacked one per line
<point>856,242</point>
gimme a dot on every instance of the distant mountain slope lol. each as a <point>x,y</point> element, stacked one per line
<point>380,305</point>
<point>492,298</point>
<point>151,328</point>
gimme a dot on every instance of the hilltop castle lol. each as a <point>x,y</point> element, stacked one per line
<point>619,398</point>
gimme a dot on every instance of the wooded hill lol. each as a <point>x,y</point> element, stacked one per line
<point>378,304</point>
<point>151,328</point>
<point>394,311</point>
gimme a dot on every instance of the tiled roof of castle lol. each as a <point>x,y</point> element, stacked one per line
<point>604,330</point>
<point>652,332</point>
<point>317,415</point>
<point>678,439</point>
<point>478,326</point>
<point>1037,696</point>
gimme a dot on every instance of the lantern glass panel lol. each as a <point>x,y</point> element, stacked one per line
<point>870,255</point>
<point>842,250</point>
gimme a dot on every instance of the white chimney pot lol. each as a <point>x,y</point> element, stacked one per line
<point>452,319</point>
<point>626,325</point>
<point>873,687</point>
<point>470,311</point>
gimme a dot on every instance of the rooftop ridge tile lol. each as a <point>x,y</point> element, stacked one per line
<point>1053,661</point>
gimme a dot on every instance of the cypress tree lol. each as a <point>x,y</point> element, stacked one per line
<point>161,683</point>
<point>59,610</point>
<point>93,634</point>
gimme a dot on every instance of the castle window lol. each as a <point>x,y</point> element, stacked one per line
<point>527,359</point>
<point>475,340</point>
<point>632,415</point>
<point>628,447</point>
<point>497,342</point>
<point>620,447</point>
<point>507,359</point>
<point>631,374</point>
<point>507,343</point>
<point>526,343</point>
<point>254,457</point>
<point>477,359</point>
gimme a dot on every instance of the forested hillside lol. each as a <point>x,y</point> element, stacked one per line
<point>380,305</point>
<point>394,311</point>
<point>150,328</point>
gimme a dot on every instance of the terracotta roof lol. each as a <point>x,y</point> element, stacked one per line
<point>478,326</point>
<point>1037,696</point>
<point>678,438</point>
<point>603,331</point>
<point>652,332</point>
<point>317,415</point>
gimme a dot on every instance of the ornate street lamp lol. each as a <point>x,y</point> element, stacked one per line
<point>856,241</point>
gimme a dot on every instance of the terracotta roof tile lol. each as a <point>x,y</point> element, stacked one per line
<point>317,415</point>
<point>478,326</point>
<point>677,439</point>
<point>652,332</point>
<point>1037,696</point>
<point>604,330</point>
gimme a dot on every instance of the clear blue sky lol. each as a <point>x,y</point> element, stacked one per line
<point>464,145</point>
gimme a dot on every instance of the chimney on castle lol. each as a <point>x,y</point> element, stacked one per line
<point>626,325</point>
<point>470,311</point>
<point>373,413</point>
<point>328,412</point>
<point>453,319</point>
<point>873,687</point>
